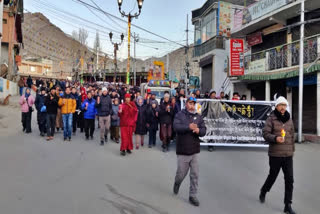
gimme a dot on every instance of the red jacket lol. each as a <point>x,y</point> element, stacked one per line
<point>129,115</point>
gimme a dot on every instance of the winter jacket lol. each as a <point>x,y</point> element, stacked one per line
<point>141,125</point>
<point>78,100</point>
<point>272,129</point>
<point>25,104</point>
<point>104,108</point>
<point>52,105</point>
<point>129,114</point>
<point>115,119</point>
<point>188,143</point>
<point>164,116</point>
<point>40,99</point>
<point>152,119</point>
<point>91,111</point>
<point>21,83</point>
<point>69,105</point>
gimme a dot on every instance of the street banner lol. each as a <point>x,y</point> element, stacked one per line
<point>234,123</point>
<point>236,57</point>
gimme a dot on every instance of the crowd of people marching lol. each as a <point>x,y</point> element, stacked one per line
<point>71,106</point>
<point>67,107</point>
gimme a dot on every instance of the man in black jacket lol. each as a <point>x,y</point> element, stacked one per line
<point>166,113</point>
<point>41,114</point>
<point>51,103</point>
<point>189,126</point>
<point>104,107</point>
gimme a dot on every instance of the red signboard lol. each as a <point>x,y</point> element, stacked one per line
<point>236,57</point>
<point>254,39</point>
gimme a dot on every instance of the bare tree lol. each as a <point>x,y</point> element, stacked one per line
<point>81,36</point>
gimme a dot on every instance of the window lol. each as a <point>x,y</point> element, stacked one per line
<point>208,26</point>
<point>32,68</point>
<point>4,21</point>
<point>197,33</point>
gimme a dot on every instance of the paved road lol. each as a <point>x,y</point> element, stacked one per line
<point>81,177</point>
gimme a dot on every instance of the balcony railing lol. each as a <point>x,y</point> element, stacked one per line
<point>211,44</point>
<point>285,55</point>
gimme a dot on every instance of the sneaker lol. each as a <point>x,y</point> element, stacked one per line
<point>51,138</point>
<point>117,141</point>
<point>137,147</point>
<point>91,137</point>
<point>102,143</point>
<point>65,139</point>
<point>288,209</point>
<point>123,153</point>
<point>150,146</point>
<point>69,139</point>
<point>142,144</point>
<point>87,138</point>
<point>48,138</point>
<point>129,151</point>
<point>262,197</point>
<point>106,138</point>
<point>194,201</point>
<point>176,188</point>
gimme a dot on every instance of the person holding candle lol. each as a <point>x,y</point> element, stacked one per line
<point>279,133</point>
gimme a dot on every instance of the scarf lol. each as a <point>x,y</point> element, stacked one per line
<point>283,118</point>
<point>26,95</point>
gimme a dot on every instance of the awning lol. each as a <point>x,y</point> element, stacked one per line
<point>280,74</point>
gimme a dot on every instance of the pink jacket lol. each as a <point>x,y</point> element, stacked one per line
<point>24,104</point>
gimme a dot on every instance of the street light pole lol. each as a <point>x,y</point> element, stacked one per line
<point>136,39</point>
<point>116,48</point>
<point>130,16</point>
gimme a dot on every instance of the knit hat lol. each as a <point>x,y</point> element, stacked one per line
<point>166,95</point>
<point>127,96</point>
<point>281,100</point>
<point>104,89</point>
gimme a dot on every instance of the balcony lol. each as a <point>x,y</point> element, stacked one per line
<point>206,47</point>
<point>281,57</point>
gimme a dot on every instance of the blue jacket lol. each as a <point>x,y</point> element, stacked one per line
<point>91,112</point>
<point>39,101</point>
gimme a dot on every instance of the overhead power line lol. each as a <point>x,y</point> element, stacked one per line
<point>143,29</point>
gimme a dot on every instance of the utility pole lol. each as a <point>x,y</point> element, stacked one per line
<point>115,62</point>
<point>301,72</point>
<point>136,39</point>
<point>186,53</point>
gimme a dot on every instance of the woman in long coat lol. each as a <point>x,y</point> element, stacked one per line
<point>128,116</point>
<point>141,125</point>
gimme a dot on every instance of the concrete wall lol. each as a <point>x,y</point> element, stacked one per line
<point>13,88</point>
<point>219,75</point>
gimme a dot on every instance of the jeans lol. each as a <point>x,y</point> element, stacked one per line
<point>51,124</point>
<point>286,164</point>
<point>21,90</point>
<point>67,124</point>
<point>152,137</point>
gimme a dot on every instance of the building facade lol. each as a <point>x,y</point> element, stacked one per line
<point>271,57</point>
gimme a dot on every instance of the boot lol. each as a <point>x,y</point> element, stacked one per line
<point>129,151</point>
<point>288,209</point>
<point>262,197</point>
<point>176,188</point>
<point>194,201</point>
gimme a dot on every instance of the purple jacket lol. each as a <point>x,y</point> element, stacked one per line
<point>24,104</point>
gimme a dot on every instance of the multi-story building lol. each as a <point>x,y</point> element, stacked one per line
<point>11,41</point>
<point>271,32</point>
<point>212,26</point>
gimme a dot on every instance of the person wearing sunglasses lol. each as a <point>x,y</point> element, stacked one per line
<point>189,126</point>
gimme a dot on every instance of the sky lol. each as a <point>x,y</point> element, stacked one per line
<point>164,17</point>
